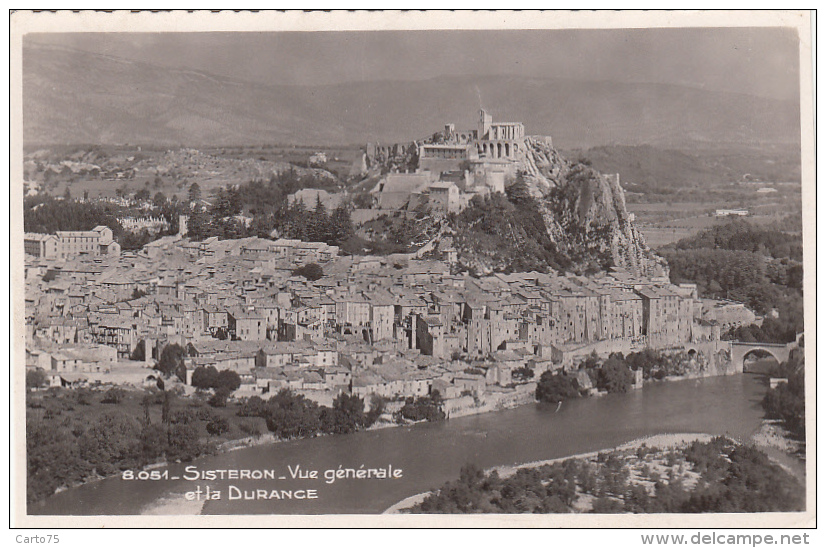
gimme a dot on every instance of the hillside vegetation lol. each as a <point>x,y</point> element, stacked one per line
<point>760,267</point>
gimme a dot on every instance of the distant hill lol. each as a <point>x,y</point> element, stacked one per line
<point>79,97</point>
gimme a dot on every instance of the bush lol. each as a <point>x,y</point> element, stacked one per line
<point>218,426</point>
<point>424,408</point>
<point>83,396</point>
<point>113,395</point>
<point>252,407</point>
<point>249,428</point>
<point>219,399</point>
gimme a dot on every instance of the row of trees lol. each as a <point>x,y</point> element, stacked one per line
<point>45,215</point>
<point>292,220</point>
<point>289,415</point>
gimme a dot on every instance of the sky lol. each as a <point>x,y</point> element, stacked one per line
<point>757,61</point>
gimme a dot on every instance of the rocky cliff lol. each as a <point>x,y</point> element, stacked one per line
<point>584,209</point>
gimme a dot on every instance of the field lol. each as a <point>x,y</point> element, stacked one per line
<point>126,170</point>
<point>663,223</point>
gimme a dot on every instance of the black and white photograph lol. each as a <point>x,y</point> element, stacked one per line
<point>522,268</point>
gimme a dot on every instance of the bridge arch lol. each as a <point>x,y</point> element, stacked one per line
<point>740,350</point>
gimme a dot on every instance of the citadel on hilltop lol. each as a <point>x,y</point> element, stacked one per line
<point>453,166</point>
<point>489,141</point>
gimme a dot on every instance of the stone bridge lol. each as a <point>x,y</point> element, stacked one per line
<point>780,352</point>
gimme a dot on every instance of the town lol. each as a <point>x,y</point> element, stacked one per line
<point>301,315</point>
<point>290,314</point>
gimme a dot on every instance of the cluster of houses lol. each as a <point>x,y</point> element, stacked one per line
<point>391,326</point>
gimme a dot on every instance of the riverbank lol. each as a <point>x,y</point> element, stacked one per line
<point>666,473</point>
<point>660,442</point>
<point>776,442</point>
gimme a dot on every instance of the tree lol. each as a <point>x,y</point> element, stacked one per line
<point>184,442</point>
<point>377,406</point>
<point>227,380</point>
<point>219,398</point>
<point>204,377</point>
<point>172,359</point>
<point>318,226</point>
<point>615,376</point>
<point>159,200</point>
<point>217,426</point>
<point>348,413</point>
<point>208,377</point>
<point>227,203</point>
<point>166,406</point>
<point>310,271</point>
<point>292,415</point>
<point>341,225</point>
<point>153,441</point>
<point>35,378</point>
<point>253,406</point>
<point>142,195</point>
<point>139,353</point>
<point>363,200</point>
<point>554,388</point>
<point>427,408</point>
<point>199,225</point>
<point>194,192</point>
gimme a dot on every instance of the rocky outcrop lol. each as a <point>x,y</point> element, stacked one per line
<point>585,210</point>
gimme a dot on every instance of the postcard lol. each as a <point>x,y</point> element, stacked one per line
<point>396,269</point>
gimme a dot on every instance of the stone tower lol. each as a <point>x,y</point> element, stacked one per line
<point>485,120</point>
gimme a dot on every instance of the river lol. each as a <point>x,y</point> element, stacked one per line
<point>430,454</point>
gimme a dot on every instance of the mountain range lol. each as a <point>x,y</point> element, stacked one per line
<point>73,97</point>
